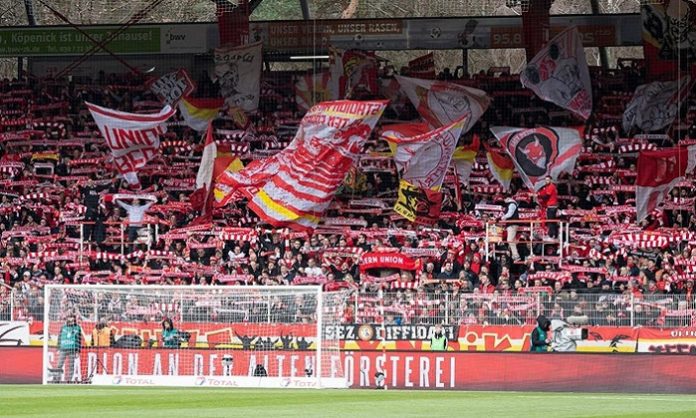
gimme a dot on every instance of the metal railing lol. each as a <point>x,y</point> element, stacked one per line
<point>459,308</point>
<point>7,299</point>
<point>531,228</point>
<point>658,310</point>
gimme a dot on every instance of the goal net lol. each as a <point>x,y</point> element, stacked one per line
<point>243,336</point>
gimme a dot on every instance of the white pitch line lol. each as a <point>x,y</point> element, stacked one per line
<point>608,398</point>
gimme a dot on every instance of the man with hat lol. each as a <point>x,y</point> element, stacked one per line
<point>512,215</point>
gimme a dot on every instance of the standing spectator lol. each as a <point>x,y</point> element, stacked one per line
<point>136,214</point>
<point>548,200</point>
<point>512,215</point>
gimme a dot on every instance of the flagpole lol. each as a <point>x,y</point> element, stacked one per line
<point>457,189</point>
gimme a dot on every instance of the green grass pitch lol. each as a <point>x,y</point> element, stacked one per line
<point>103,402</point>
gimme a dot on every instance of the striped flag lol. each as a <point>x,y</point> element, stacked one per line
<point>132,138</point>
<point>198,113</point>
<point>464,158</point>
<point>540,152</point>
<point>213,163</point>
<point>501,167</point>
<point>294,187</point>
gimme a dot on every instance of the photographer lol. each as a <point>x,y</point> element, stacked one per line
<point>69,344</point>
<point>566,334</point>
<point>170,335</point>
<point>540,335</point>
<point>102,335</point>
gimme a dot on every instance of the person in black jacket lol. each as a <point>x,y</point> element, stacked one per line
<point>540,336</point>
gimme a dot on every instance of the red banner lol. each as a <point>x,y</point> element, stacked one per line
<point>391,260</point>
<point>408,370</point>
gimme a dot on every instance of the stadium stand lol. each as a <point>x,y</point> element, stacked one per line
<point>61,221</point>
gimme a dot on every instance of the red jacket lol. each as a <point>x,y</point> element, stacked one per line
<point>548,195</point>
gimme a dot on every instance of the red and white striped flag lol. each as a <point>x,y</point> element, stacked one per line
<point>540,152</point>
<point>658,172</point>
<point>294,187</point>
<point>133,139</point>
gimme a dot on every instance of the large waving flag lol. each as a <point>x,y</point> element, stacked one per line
<point>658,172</point>
<point>559,74</point>
<point>395,132</point>
<point>540,152</point>
<point>133,139</point>
<point>655,105</point>
<point>238,72</point>
<point>441,103</point>
<point>423,161</point>
<point>294,187</point>
<point>198,113</point>
<point>501,167</point>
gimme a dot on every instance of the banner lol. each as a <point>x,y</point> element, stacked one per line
<point>423,67</point>
<point>311,89</point>
<point>571,372</point>
<point>238,71</point>
<point>379,260</point>
<point>669,36</point>
<point>441,103</point>
<point>352,71</point>
<point>559,74</point>
<point>132,138</point>
<point>14,333</point>
<point>295,186</point>
<point>418,205</point>
<point>171,87</point>
<point>658,172</point>
<point>667,341</point>
<point>655,105</point>
<point>540,152</point>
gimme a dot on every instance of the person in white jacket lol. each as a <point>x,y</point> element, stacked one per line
<point>512,214</point>
<point>136,214</point>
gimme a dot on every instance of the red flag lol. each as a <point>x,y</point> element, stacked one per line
<point>658,172</point>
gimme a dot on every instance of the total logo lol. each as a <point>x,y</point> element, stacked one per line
<point>213,381</point>
<point>117,380</point>
<point>296,383</point>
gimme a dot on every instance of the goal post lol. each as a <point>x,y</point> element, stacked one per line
<point>232,336</point>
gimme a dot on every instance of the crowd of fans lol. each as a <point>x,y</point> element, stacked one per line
<point>66,217</point>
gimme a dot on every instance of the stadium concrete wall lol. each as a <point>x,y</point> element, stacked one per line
<point>578,372</point>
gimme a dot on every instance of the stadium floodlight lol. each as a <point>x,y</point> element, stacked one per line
<point>233,336</point>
